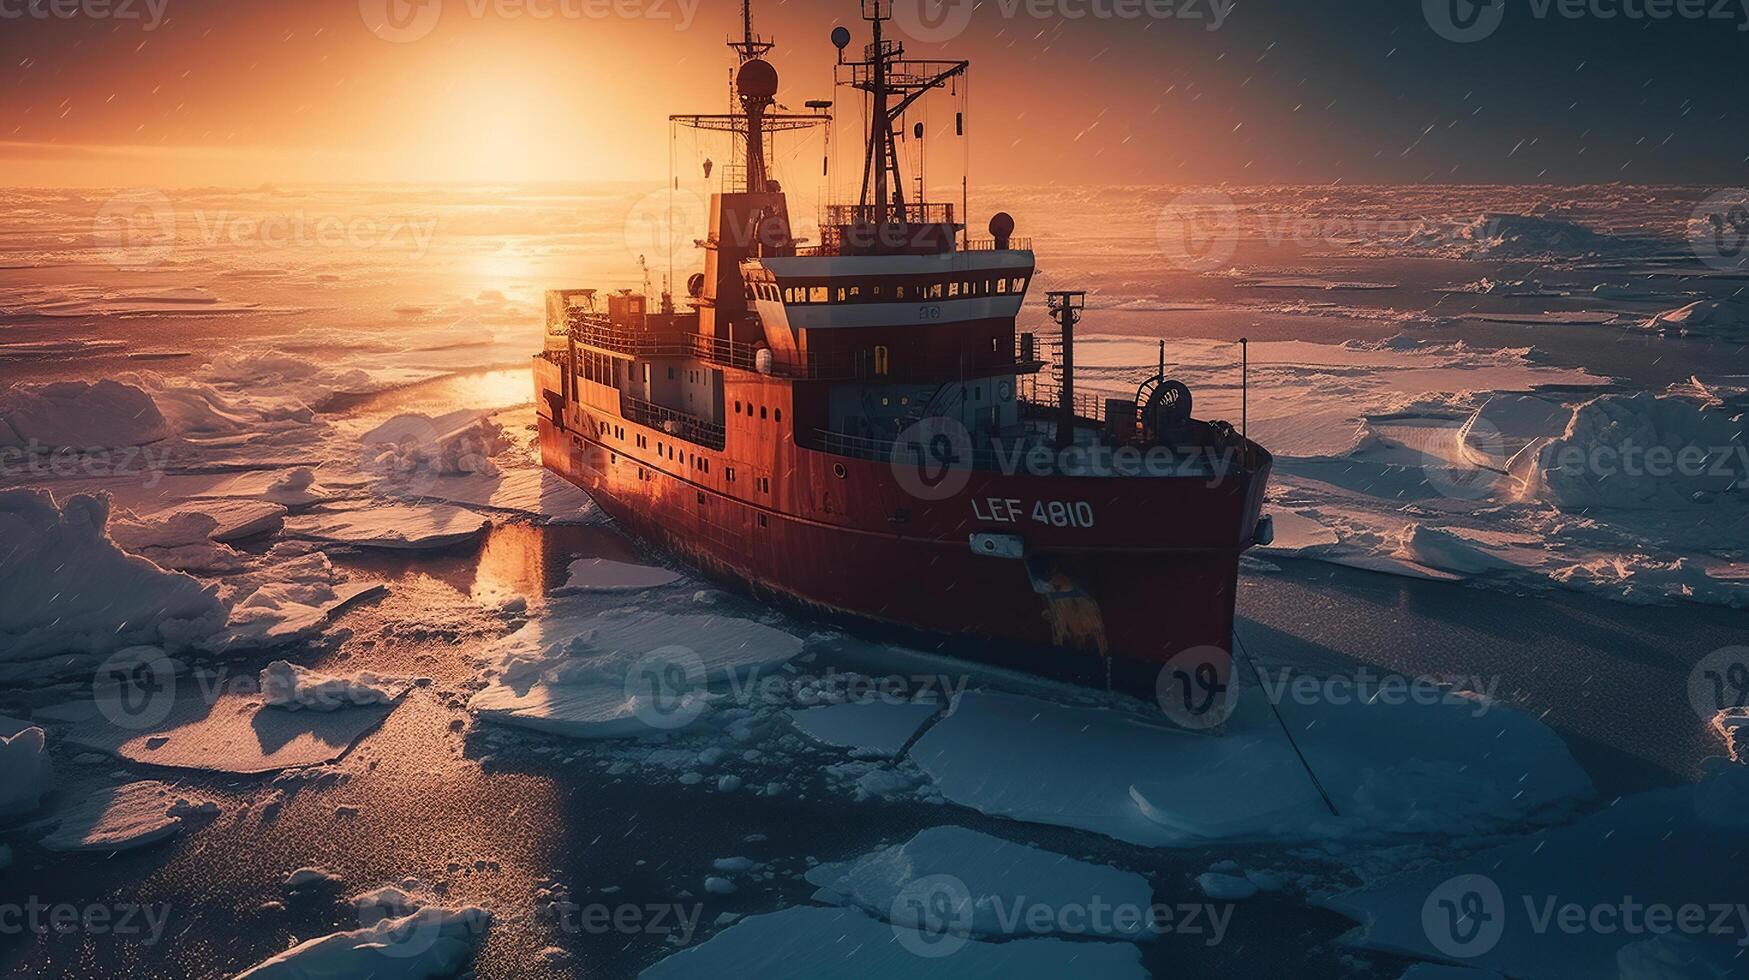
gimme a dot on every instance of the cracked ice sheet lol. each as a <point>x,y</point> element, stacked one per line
<point>534,491</point>
<point>620,673</point>
<point>393,526</point>
<point>1461,766</point>
<point>1001,880</point>
<point>1698,833</point>
<point>805,943</point>
<point>873,729</point>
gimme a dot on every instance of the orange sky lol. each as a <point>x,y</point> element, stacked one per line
<point>192,92</point>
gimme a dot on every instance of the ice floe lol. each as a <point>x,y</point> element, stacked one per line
<point>288,685</point>
<point>811,942</point>
<point>210,720</point>
<point>1459,766</point>
<point>462,442</point>
<point>1726,319</point>
<point>587,675</point>
<point>875,730</point>
<point>66,588</point>
<point>431,942</point>
<point>607,575</point>
<point>123,817</point>
<point>79,415</point>
<point>391,526</point>
<point>1659,862</point>
<point>987,886</point>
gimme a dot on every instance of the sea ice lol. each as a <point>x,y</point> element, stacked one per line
<point>79,415</point>
<point>289,685</point>
<point>586,675</point>
<point>1599,862</point>
<point>66,588</point>
<point>806,943</point>
<point>460,443</point>
<point>391,526</point>
<point>25,772</point>
<point>1641,451</point>
<point>121,818</point>
<point>1461,765</point>
<point>207,726</point>
<point>988,880</point>
<point>430,943</point>
<point>874,729</point>
<point>607,575</point>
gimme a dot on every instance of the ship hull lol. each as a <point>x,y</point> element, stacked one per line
<point>1110,609</point>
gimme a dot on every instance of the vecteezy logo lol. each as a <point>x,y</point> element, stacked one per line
<point>1464,21</point>
<point>1719,230</point>
<point>135,229</point>
<point>1198,688</point>
<point>1465,462</point>
<point>1199,230</point>
<point>932,916</point>
<point>1464,917</point>
<point>666,687</point>
<point>135,688</point>
<point>932,458</point>
<point>1720,682</point>
<point>664,224</point>
<point>401,21</point>
<point>933,21</point>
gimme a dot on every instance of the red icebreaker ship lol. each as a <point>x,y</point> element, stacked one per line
<point>856,427</point>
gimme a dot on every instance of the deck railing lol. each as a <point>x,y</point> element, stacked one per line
<point>1044,400</point>
<point>689,427</point>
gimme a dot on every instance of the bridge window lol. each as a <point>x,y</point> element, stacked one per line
<point>882,362</point>
<point>817,294</point>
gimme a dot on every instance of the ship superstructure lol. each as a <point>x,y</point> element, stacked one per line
<point>856,425</point>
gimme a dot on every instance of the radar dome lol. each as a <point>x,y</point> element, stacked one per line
<point>757,79</point>
<point>841,37</point>
<point>1002,225</point>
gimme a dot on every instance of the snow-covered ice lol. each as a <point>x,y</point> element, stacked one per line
<point>208,725</point>
<point>1667,849</point>
<point>122,817</point>
<point>987,879</point>
<point>806,943</point>
<point>607,575</point>
<point>289,685</point>
<point>588,675</point>
<point>391,526</point>
<point>872,729</point>
<point>430,943</point>
<point>79,415</point>
<point>1459,766</point>
<point>66,588</point>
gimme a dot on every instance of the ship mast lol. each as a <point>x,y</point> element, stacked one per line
<point>885,74</point>
<point>755,90</point>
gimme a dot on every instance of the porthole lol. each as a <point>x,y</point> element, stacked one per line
<point>839,471</point>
